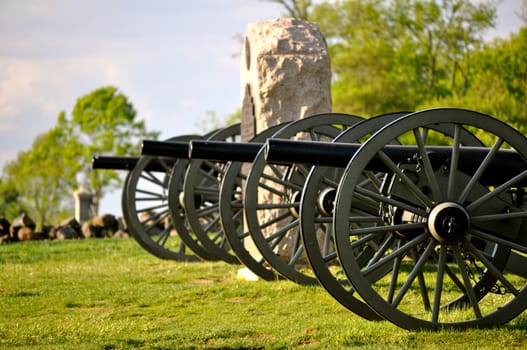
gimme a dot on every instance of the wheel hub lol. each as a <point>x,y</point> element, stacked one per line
<point>448,222</point>
<point>326,201</point>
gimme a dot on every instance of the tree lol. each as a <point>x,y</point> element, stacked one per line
<point>443,34</point>
<point>499,83</point>
<point>43,177</point>
<point>389,56</point>
<point>105,122</point>
<point>42,180</point>
<point>10,206</point>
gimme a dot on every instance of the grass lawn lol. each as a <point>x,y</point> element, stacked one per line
<point>111,294</point>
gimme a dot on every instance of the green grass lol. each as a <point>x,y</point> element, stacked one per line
<point>111,294</point>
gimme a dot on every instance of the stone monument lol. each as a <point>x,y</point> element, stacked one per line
<point>83,204</point>
<point>285,76</point>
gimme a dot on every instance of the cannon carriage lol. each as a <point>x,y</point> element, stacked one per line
<point>416,218</point>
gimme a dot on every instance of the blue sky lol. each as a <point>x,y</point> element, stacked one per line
<point>173,59</point>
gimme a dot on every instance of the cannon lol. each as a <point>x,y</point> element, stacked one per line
<point>441,237</point>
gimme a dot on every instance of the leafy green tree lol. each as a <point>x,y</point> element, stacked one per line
<point>43,177</point>
<point>442,35</point>
<point>389,56</point>
<point>10,206</point>
<point>105,122</point>
<point>499,83</point>
<point>362,56</point>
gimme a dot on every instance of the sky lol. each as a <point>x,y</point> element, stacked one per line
<point>175,61</point>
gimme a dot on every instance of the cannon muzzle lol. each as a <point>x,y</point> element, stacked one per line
<point>222,151</point>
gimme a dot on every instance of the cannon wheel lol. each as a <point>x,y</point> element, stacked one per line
<point>316,221</point>
<point>231,213</point>
<point>272,198</point>
<point>200,198</point>
<point>316,218</point>
<point>145,209</point>
<point>448,236</point>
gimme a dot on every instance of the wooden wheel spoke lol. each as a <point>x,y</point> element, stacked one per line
<point>215,220</point>
<point>157,217</point>
<point>498,190</point>
<point>393,279</point>
<point>376,198</point>
<point>207,210</point>
<point>149,177</point>
<point>432,180</point>
<point>454,160</point>
<point>382,249</point>
<point>208,176</point>
<point>163,237</point>
<point>297,254</point>
<point>498,240</point>
<point>280,181</point>
<point>417,272</point>
<point>217,167</point>
<point>469,292</point>
<point>387,228</point>
<point>498,217</point>
<point>423,198</point>
<point>479,172</point>
<point>329,257</point>
<point>268,223</point>
<point>149,209</point>
<point>301,169</point>
<point>279,235</point>
<point>441,264</point>
<point>272,206</point>
<point>153,195</point>
<point>211,192</point>
<point>400,252</point>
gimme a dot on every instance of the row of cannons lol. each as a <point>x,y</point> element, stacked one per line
<point>415,218</point>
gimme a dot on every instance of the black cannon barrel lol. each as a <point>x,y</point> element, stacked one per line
<point>283,151</point>
<point>223,151</point>
<point>506,163</point>
<point>114,162</point>
<point>170,149</point>
<point>129,163</point>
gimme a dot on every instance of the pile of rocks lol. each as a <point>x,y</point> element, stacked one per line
<point>23,229</point>
<point>104,226</point>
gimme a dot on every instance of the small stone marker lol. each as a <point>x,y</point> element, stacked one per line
<point>83,205</point>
